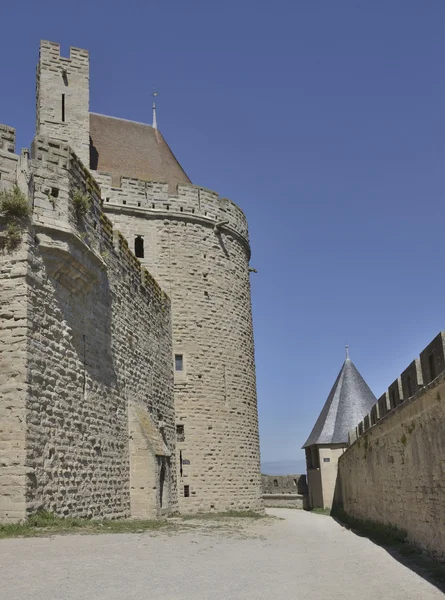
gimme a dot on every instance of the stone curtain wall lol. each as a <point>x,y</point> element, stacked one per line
<point>13,343</point>
<point>196,246</point>
<point>394,472</point>
<point>98,336</point>
<point>284,484</point>
<point>285,491</point>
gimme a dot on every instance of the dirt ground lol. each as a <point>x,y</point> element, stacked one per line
<point>294,555</point>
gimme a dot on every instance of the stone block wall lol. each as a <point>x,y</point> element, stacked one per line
<point>285,491</point>
<point>95,337</point>
<point>196,246</point>
<point>394,472</point>
<point>63,97</point>
<point>284,484</point>
<point>13,353</point>
<point>8,160</point>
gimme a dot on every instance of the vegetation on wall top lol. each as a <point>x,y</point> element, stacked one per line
<point>15,211</point>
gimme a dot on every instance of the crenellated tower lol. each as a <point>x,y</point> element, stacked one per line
<point>62,107</point>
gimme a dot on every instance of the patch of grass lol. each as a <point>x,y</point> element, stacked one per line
<point>321,511</point>
<point>14,205</point>
<point>248,514</point>
<point>45,523</point>
<point>281,506</point>
<point>81,203</point>
<point>15,210</point>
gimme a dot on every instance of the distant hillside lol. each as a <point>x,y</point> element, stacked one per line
<point>283,467</point>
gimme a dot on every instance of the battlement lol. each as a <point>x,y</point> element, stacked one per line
<point>7,139</point>
<point>8,158</point>
<point>50,56</point>
<point>418,376</point>
<point>59,175</point>
<point>189,202</point>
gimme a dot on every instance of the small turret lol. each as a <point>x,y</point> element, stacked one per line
<point>63,97</point>
<point>349,401</point>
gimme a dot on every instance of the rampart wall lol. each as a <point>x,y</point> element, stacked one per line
<point>94,383</point>
<point>285,491</point>
<point>13,355</point>
<point>394,471</point>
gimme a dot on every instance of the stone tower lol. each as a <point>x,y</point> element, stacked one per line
<point>63,97</point>
<point>349,400</point>
<point>196,245</point>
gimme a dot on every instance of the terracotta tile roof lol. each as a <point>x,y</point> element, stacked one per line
<point>348,402</point>
<point>131,149</point>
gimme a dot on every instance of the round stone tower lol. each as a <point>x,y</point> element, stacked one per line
<point>196,245</point>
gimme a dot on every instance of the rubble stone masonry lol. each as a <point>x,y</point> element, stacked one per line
<point>196,246</point>
<point>85,338</point>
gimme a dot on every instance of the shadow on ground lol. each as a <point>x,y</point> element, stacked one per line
<point>394,541</point>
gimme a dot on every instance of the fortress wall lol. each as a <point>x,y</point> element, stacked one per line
<point>14,325</point>
<point>206,274</point>
<point>394,471</point>
<point>284,484</point>
<point>98,341</point>
<point>285,491</point>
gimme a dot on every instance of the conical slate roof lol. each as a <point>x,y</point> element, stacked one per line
<point>348,402</point>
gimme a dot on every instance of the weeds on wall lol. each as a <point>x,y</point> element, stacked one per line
<point>81,204</point>
<point>15,212</point>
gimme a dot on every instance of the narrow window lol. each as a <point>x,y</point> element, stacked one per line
<point>275,482</point>
<point>54,192</point>
<point>139,246</point>
<point>186,491</point>
<point>180,462</point>
<point>432,365</point>
<point>326,460</point>
<point>180,436</point>
<point>179,362</point>
<point>63,108</point>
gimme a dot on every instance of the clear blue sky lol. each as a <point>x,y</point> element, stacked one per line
<point>325,121</point>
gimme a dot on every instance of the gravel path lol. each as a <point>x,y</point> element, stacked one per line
<point>304,557</point>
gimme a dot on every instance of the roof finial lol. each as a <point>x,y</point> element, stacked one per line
<point>155,123</point>
<point>347,351</point>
